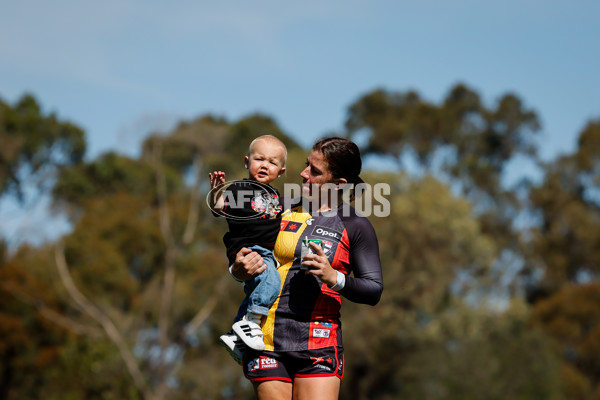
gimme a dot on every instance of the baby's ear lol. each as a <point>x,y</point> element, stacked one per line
<point>246,162</point>
<point>281,172</point>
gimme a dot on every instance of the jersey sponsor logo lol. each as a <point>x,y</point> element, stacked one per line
<point>290,226</point>
<point>320,361</point>
<point>321,333</point>
<point>262,362</point>
<point>325,232</point>
<point>317,360</point>
<point>326,246</point>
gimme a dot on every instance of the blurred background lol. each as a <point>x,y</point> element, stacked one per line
<point>484,119</point>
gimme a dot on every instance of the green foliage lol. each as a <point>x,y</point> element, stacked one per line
<point>252,126</point>
<point>572,318</point>
<point>118,240</point>
<point>472,142</point>
<point>88,369</point>
<point>464,352</point>
<point>476,354</point>
<point>33,142</point>
<point>214,142</point>
<point>131,224</point>
<point>566,239</point>
<point>446,327</point>
<point>461,141</point>
<point>588,152</point>
<point>29,343</point>
<point>108,175</point>
<point>202,139</point>
<point>429,238</point>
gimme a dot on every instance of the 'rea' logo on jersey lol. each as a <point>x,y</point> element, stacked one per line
<point>262,362</point>
<point>327,233</point>
<point>290,226</point>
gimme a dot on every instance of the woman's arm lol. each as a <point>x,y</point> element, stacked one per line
<point>366,284</point>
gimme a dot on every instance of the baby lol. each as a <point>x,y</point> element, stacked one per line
<point>251,208</point>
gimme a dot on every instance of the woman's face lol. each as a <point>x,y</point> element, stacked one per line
<point>315,173</point>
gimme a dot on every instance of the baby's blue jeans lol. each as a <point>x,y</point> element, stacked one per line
<point>263,289</point>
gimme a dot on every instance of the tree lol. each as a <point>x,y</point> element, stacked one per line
<point>29,339</point>
<point>565,241</point>
<point>563,265</point>
<point>461,141</point>
<point>572,319</point>
<point>437,324</point>
<point>466,139</point>
<point>33,143</point>
<point>131,302</point>
<point>144,266</point>
<point>477,353</point>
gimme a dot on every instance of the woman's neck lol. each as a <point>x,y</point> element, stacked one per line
<point>323,208</point>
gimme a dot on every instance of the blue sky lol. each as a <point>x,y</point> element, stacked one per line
<point>120,69</point>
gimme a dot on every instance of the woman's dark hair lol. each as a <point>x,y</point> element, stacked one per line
<point>342,156</point>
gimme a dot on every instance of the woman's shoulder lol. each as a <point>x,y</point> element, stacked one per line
<point>348,212</point>
<point>355,222</point>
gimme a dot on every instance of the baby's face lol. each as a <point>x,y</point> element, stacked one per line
<point>266,161</point>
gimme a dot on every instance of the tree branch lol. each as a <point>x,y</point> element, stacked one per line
<point>51,315</point>
<point>109,327</point>
<point>208,306</point>
<point>170,255</point>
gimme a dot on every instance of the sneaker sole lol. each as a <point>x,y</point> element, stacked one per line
<point>237,357</point>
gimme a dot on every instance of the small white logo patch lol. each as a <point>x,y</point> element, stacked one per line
<point>321,333</point>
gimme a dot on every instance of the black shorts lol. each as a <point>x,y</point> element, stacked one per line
<point>286,365</point>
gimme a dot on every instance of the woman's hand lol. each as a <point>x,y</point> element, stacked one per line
<point>247,264</point>
<point>318,265</point>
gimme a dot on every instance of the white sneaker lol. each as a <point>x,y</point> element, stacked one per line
<point>234,345</point>
<point>250,333</point>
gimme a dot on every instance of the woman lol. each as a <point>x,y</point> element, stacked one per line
<point>303,357</point>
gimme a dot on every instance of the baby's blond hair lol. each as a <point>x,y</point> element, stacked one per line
<point>273,140</point>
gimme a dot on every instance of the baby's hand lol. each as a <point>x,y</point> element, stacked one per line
<point>217,178</point>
